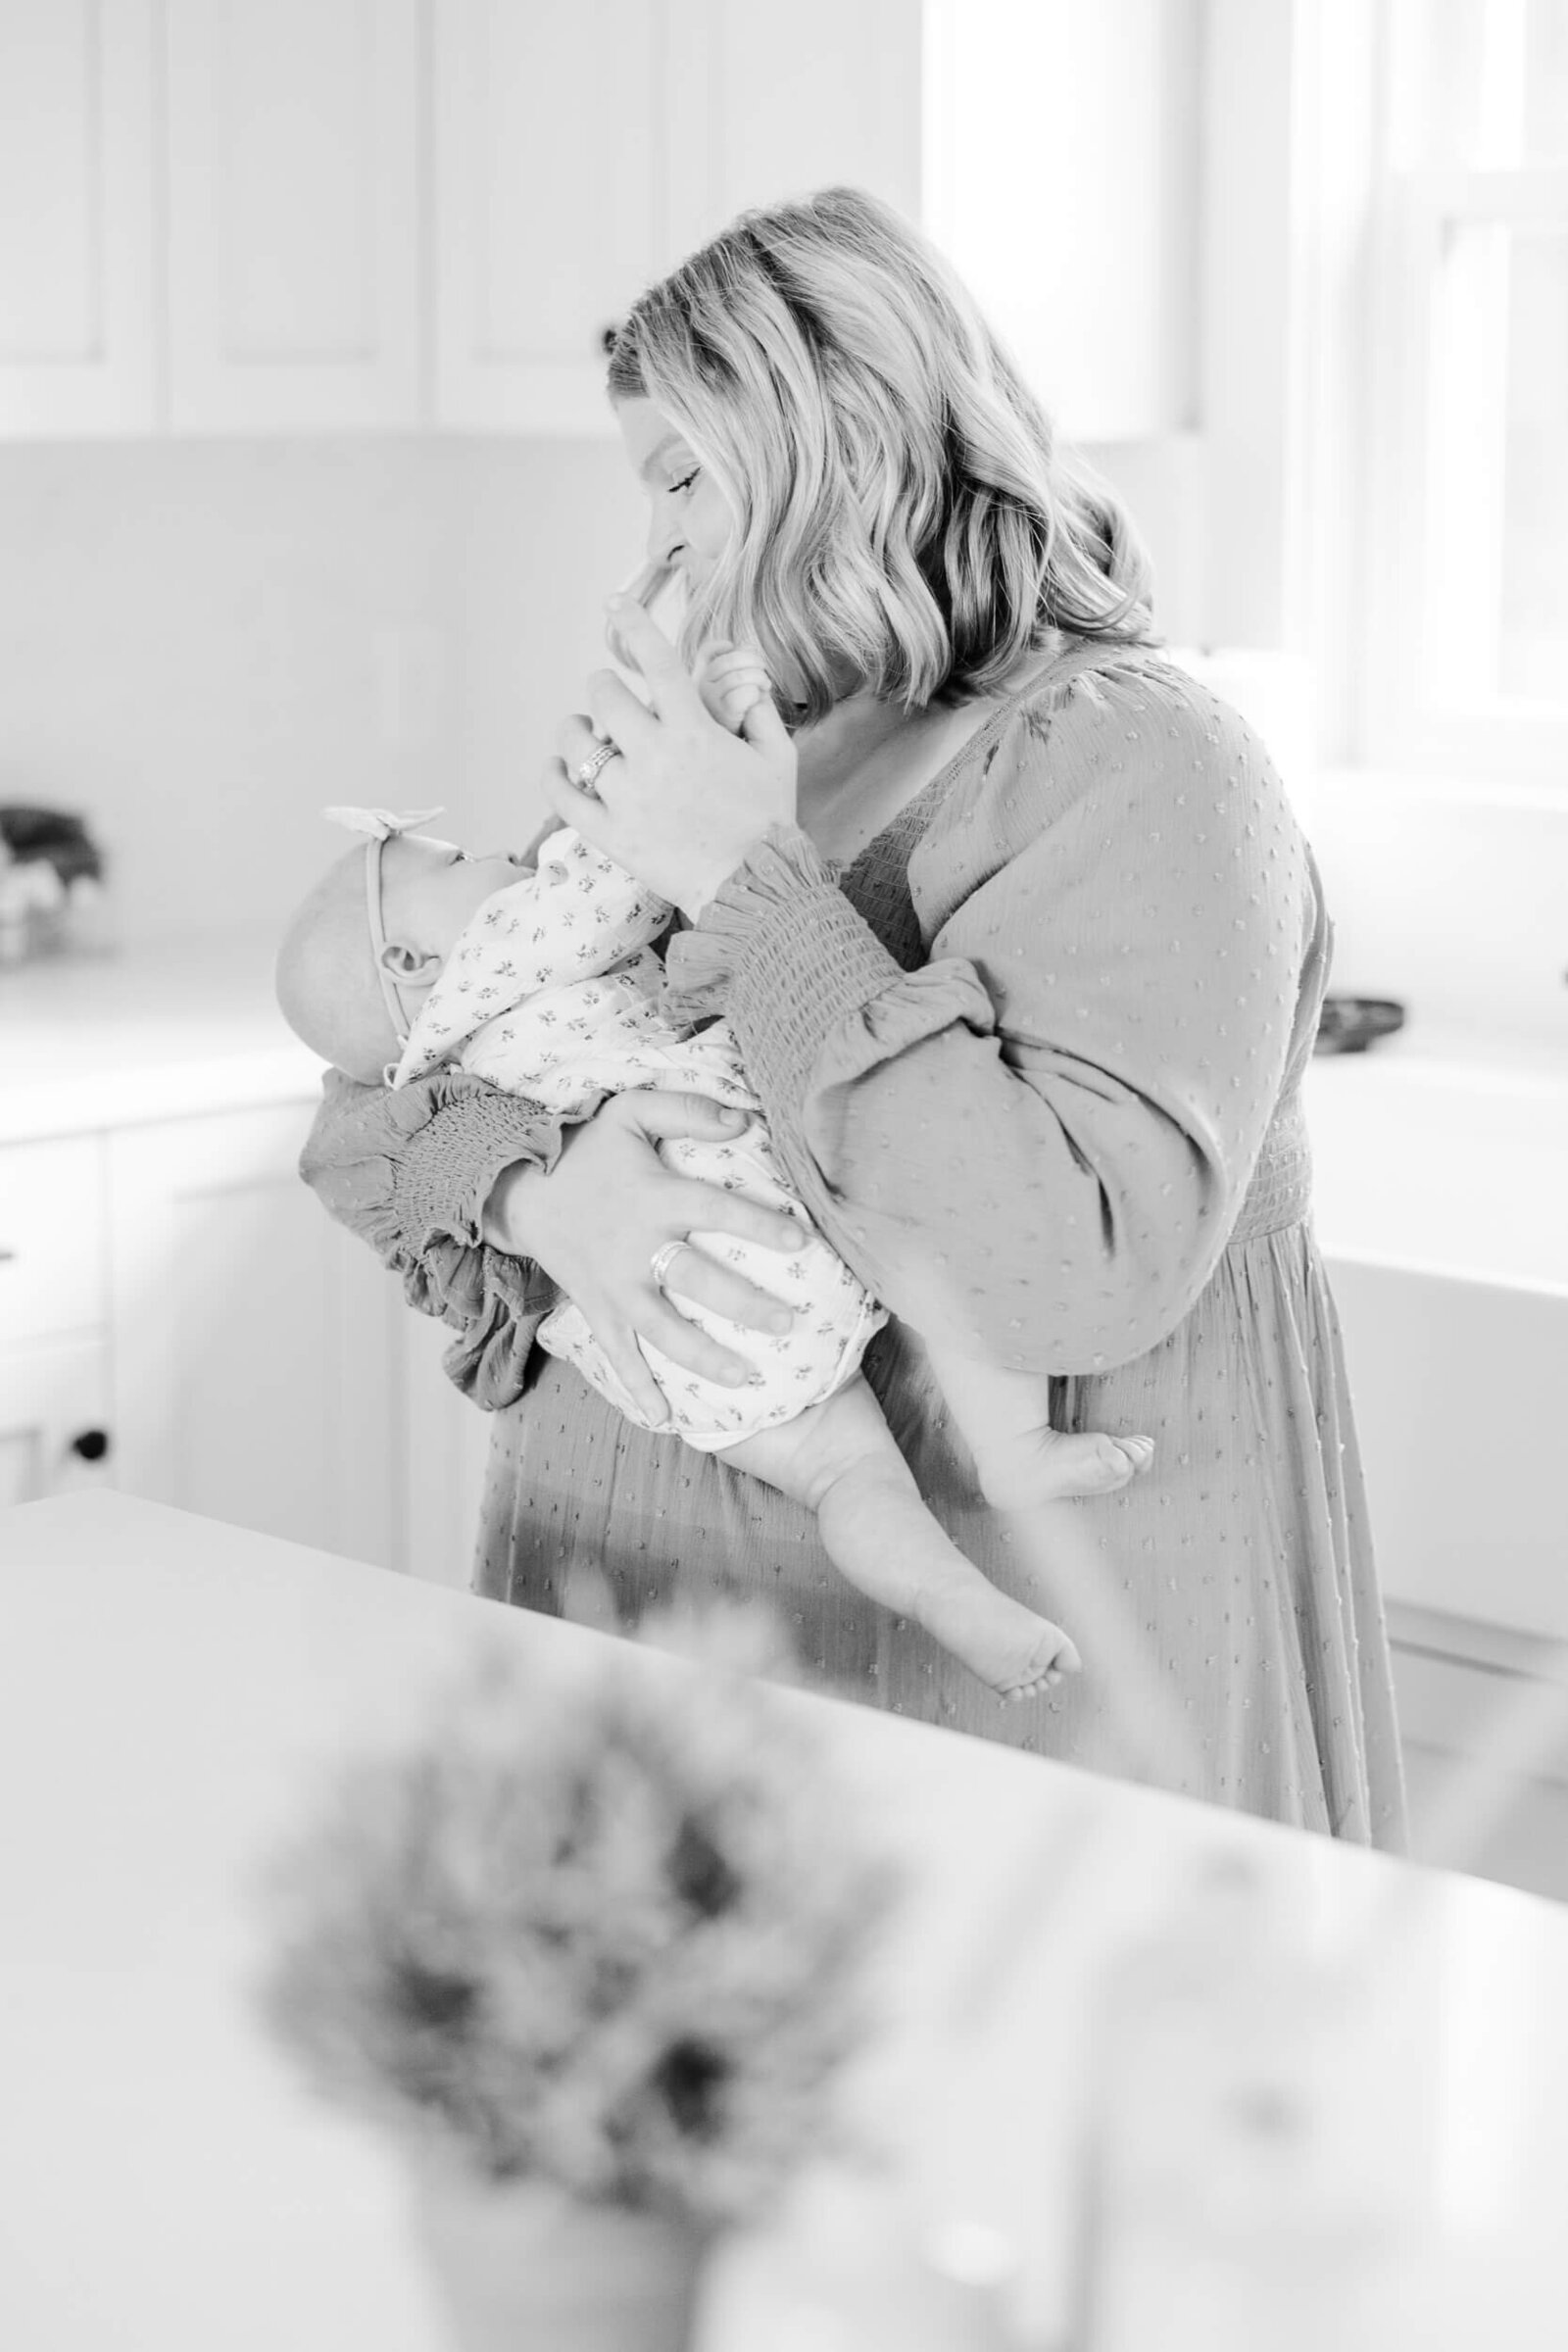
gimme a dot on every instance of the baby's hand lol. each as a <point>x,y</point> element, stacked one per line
<point>731,681</point>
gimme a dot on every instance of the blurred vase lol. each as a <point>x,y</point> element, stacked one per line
<point>520,2265</point>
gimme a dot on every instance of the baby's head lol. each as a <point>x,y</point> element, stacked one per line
<point>363,952</point>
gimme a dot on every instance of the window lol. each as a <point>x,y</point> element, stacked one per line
<point>1467,642</point>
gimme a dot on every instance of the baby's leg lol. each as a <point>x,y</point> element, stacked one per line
<point>1021,1458</point>
<point>838,1458</point>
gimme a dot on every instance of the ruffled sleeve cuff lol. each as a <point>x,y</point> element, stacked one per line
<point>779,932</point>
<point>410,1173</point>
<point>407,1169</point>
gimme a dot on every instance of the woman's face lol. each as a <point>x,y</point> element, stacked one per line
<point>690,526</point>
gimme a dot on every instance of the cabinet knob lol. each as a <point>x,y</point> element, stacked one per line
<point>91,1445</point>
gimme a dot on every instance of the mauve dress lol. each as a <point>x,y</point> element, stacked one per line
<point>1039,1045</point>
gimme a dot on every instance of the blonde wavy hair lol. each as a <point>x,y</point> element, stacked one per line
<point>907,522</point>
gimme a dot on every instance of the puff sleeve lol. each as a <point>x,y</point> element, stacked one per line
<point>1036,1143</point>
<point>409,1172</point>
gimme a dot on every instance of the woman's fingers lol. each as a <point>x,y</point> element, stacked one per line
<point>585,811</point>
<point>699,1208</point>
<point>665,1328</point>
<point>627,1360</point>
<point>662,1111</point>
<point>643,641</point>
<point>618,715</point>
<point>699,1280</point>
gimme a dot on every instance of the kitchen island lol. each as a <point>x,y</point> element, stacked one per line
<point>170,1692</point>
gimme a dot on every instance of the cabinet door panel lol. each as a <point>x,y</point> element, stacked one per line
<point>51,1237</point>
<point>253,1341</point>
<point>77,290</point>
<point>761,106</point>
<point>293,215</point>
<point>444,1451</point>
<point>549,203</point>
<point>49,1395</point>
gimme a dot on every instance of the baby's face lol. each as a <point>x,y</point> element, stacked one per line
<point>430,889</point>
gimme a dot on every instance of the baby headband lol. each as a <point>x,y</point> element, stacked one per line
<point>379,826</point>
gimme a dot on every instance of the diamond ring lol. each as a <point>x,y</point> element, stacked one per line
<point>593,766</point>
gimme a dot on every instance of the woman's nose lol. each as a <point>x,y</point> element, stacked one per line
<point>664,543</point>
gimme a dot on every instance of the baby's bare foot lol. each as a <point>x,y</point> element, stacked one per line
<point>1044,1466</point>
<point>1020,1654</point>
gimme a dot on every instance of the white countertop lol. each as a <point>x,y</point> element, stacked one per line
<point>145,1033</point>
<point>1417,1143</point>
<point>168,1689</point>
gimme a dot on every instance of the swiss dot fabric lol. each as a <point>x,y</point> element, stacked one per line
<point>1032,1061</point>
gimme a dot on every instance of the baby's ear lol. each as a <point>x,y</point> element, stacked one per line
<point>409,964</point>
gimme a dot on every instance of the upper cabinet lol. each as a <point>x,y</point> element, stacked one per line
<point>549,157</point>
<point>77,172</point>
<point>580,152</point>
<point>293,232</point>
<point>328,216</point>
<point>757,107</point>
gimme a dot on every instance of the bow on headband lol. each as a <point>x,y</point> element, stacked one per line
<point>380,824</point>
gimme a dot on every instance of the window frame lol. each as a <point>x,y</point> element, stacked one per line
<point>1414,415</point>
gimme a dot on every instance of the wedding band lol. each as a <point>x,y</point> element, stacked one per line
<point>663,1259</point>
<point>593,766</point>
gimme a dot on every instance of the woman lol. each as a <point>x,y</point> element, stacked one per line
<point>1025,953</point>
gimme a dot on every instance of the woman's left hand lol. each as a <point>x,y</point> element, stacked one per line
<point>684,801</point>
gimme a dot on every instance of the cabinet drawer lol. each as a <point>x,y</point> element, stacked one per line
<point>52,1244</point>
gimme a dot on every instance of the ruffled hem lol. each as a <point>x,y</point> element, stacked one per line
<point>701,964</point>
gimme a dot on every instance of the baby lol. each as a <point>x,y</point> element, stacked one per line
<point>410,955</point>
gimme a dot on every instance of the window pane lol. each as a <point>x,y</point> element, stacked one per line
<point>1545,126</point>
<point>1480,83</point>
<point>1533,648</point>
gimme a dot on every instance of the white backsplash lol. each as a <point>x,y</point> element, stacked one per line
<point>203,643</point>
<point>1453,896</point>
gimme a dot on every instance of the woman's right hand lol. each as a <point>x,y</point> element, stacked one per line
<point>596,1221</point>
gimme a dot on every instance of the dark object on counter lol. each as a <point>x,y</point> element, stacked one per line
<point>52,834</point>
<point>1349,1024</point>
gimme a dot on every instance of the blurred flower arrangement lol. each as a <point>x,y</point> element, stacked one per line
<point>606,1936</point>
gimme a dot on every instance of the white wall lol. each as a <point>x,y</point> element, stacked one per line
<point>202,643</point>
<point>196,640</point>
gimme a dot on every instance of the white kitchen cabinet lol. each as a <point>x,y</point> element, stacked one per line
<point>761,104</point>
<point>78,297</point>
<point>51,1395</point>
<point>51,1237</point>
<point>295,300</point>
<point>547,203</point>
<point>579,152</point>
<point>255,1345</point>
<point>338,216</point>
<point>443,1450</point>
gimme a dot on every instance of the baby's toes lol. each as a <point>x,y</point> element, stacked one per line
<point>1140,1451</point>
<point>1107,1462</point>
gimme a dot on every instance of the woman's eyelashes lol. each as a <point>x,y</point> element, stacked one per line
<point>685,482</point>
